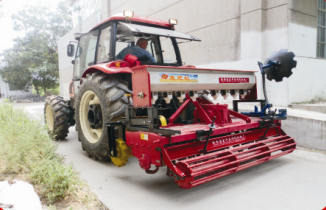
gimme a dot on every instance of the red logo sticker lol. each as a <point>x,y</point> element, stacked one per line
<point>164,76</point>
<point>325,206</point>
<point>233,80</point>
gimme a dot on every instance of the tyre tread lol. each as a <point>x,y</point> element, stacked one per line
<point>111,92</point>
<point>60,116</point>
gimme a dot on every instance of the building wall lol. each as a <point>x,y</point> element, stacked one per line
<point>88,21</point>
<point>204,19</point>
<point>236,34</point>
<point>5,91</point>
<point>308,80</point>
<point>65,65</point>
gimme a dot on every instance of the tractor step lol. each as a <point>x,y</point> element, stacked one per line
<point>201,168</point>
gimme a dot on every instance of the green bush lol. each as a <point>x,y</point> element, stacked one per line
<point>54,91</point>
<point>25,148</point>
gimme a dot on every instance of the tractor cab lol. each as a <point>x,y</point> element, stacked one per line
<point>104,42</point>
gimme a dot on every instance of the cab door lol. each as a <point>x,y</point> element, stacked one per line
<point>85,55</point>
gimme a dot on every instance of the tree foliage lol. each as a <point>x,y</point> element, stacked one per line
<point>34,58</point>
<point>45,77</point>
<point>15,71</point>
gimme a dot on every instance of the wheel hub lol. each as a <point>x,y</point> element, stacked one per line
<point>94,116</point>
<point>49,117</point>
<point>90,115</point>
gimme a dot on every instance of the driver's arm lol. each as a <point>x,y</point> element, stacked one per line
<point>150,57</point>
<point>119,55</point>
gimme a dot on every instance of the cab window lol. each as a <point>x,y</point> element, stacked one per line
<point>161,48</point>
<point>103,50</point>
<point>85,55</point>
<point>168,53</point>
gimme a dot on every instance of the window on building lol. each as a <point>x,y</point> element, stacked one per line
<point>321,30</point>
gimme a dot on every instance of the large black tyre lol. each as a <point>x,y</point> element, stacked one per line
<point>109,92</point>
<point>56,116</point>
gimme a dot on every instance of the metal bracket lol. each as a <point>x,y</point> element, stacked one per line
<point>264,123</point>
<point>211,127</point>
<point>111,136</point>
<point>257,113</point>
<point>270,123</point>
<point>147,124</point>
<point>201,133</point>
<point>235,103</point>
<point>269,64</point>
<point>151,121</point>
<point>282,115</point>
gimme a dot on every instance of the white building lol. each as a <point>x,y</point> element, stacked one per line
<point>235,35</point>
<point>6,92</point>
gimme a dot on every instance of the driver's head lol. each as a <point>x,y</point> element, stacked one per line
<point>142,43</point>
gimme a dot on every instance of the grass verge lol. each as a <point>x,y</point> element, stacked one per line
<point>27,153</point>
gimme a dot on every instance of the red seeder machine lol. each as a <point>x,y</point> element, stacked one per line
<point>161,112</point>
<point>216,141</point>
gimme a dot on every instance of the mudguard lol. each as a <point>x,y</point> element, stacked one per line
<point>108,68</point>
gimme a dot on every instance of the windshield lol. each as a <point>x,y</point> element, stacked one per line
<point>156,31</point>
<point>157,49</point>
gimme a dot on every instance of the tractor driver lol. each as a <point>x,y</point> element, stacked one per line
<point>139,50</point>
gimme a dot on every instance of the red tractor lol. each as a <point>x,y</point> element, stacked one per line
<point>160,112</point>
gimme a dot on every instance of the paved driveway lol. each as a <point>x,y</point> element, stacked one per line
<point>295,182</point>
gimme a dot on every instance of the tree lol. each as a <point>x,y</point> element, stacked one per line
<point>15,71</point>
<point>34,55</point>
<point>45,77</point>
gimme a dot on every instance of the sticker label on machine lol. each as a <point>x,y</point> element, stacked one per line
<point>184,78</point>
<point>144,136</point>
<point>234,79</point>
<point>227,140</point>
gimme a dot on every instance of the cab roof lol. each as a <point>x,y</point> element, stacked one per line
<point>135,18</point>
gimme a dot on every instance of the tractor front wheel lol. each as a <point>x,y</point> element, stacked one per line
<point>56,116</point>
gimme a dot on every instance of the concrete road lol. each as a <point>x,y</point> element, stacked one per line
<point>296,181</point>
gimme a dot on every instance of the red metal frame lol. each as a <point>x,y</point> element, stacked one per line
<point>180,110</point>
<point>136,18</point>
<point>235,144</point>
<point>192,68</point>
<point>141,85</point>
<point>106,68</point>
<point>225,157</point>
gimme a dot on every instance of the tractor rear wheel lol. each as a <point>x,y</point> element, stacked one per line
<point>101,99</point>
<point>56,116</point>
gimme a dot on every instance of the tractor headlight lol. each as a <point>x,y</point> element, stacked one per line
<point>173,21</point>
<point>128,14</point>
